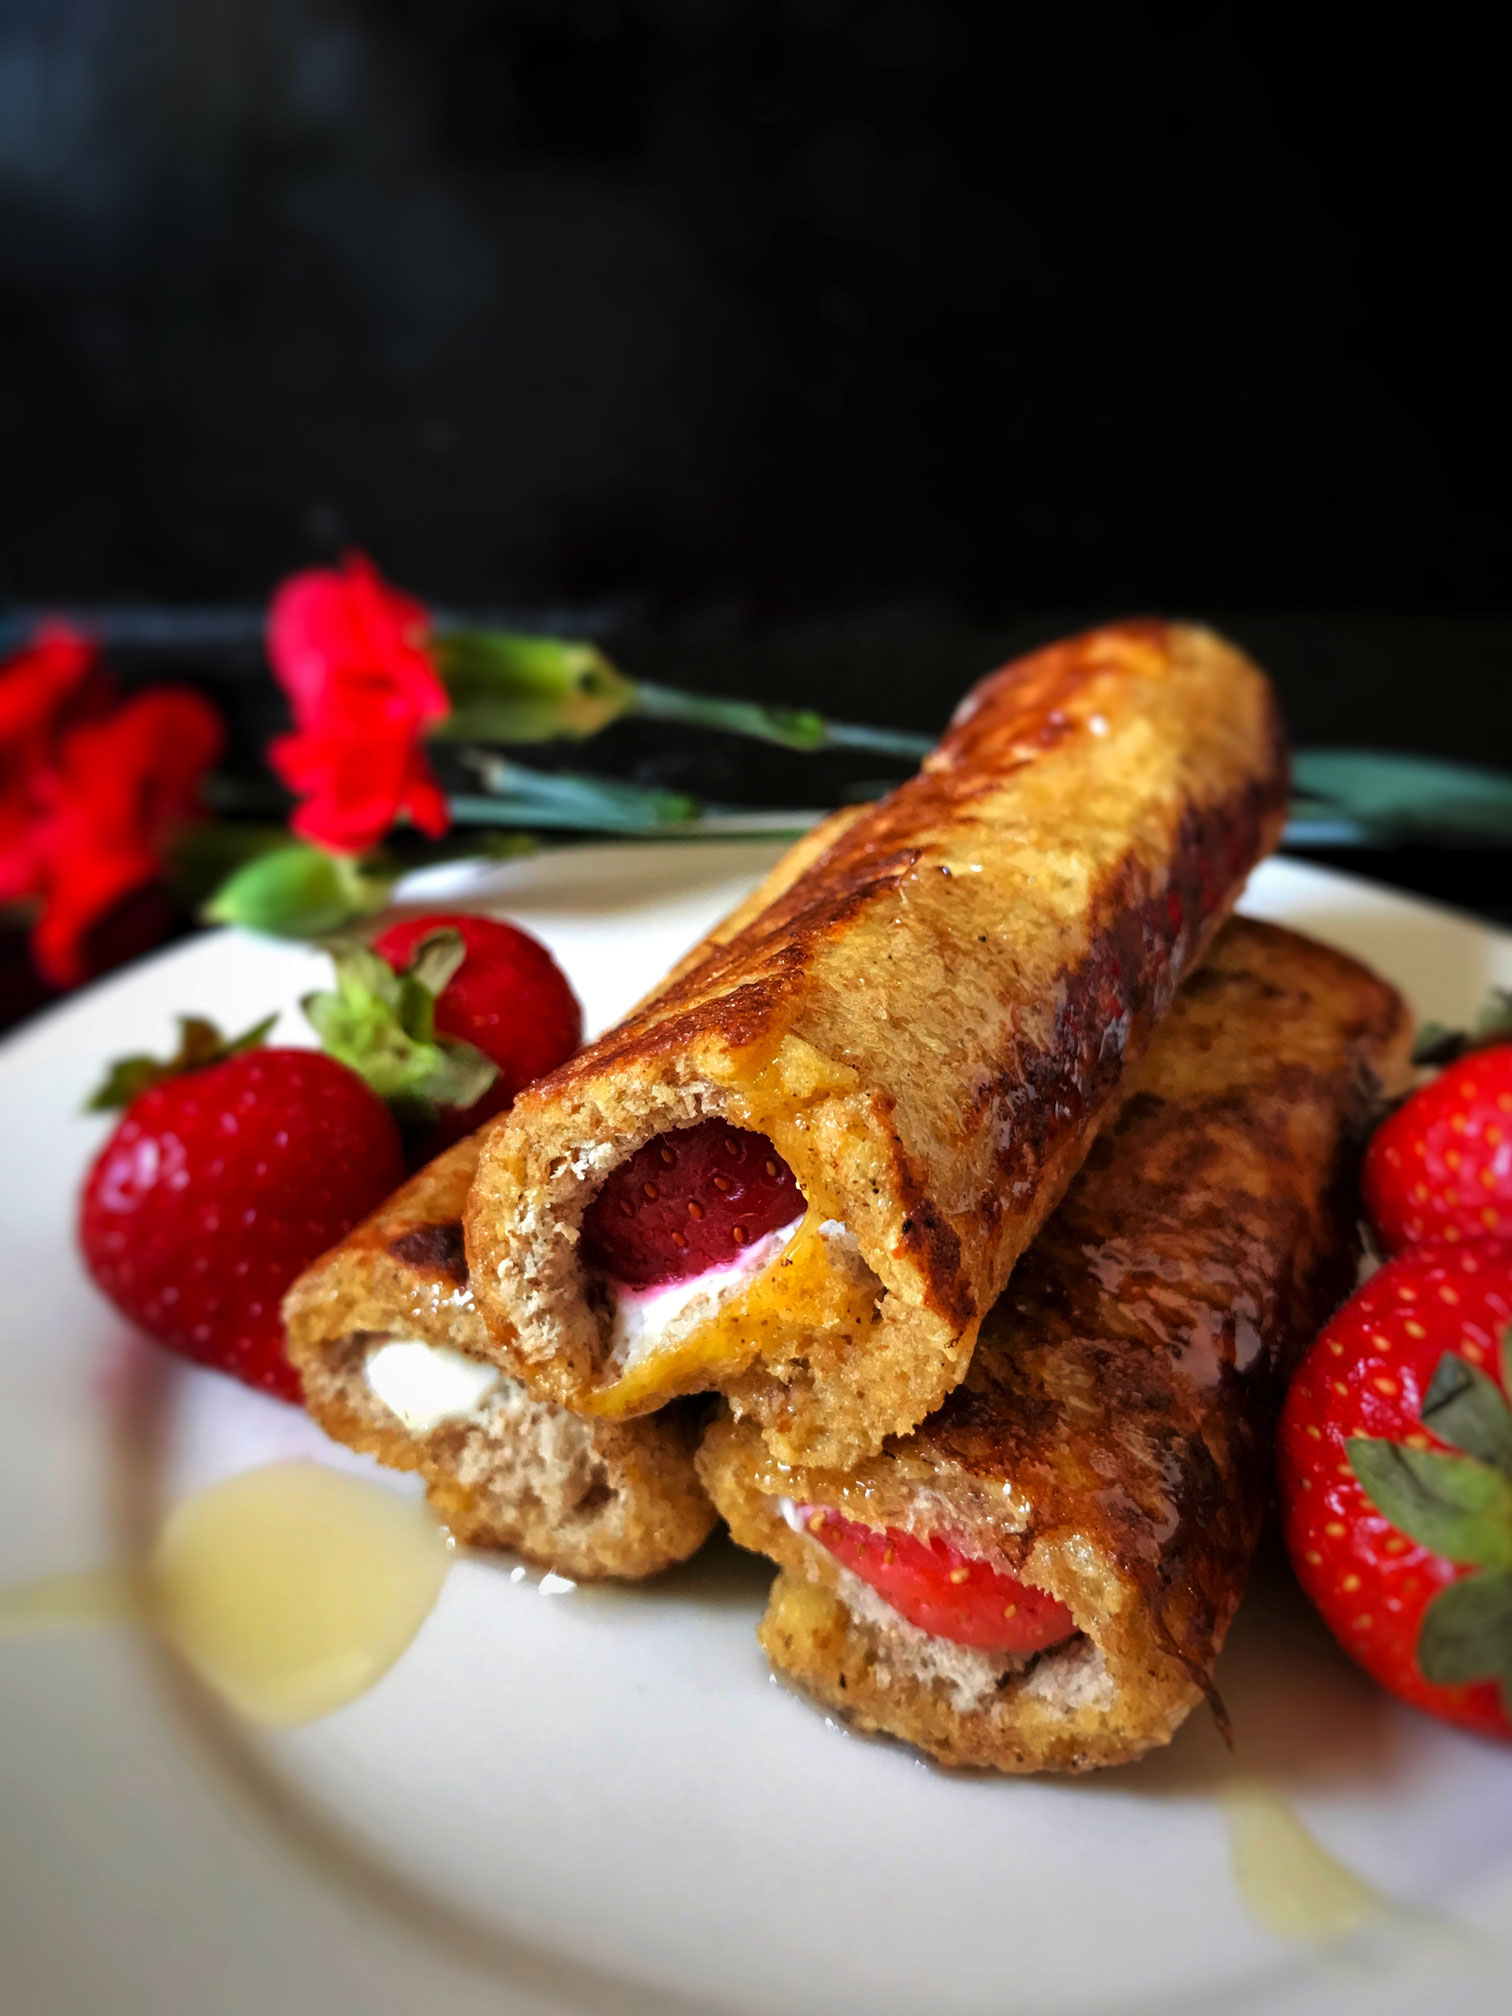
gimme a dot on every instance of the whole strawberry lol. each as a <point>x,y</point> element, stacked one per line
<point>1395,1456</point>
<point>219,1186</point>
<point>449,1017</point>
<point>1441,1166</point>
<point>686,1202</point>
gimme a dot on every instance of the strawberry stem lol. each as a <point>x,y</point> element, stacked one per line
<point>1466,1408</point>
<point>200,1045</point>
<point>1466,1633</point>
<point>1458,1506</point>
<point>382,1025</point>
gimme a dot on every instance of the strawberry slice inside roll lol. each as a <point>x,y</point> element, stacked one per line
<point>940,1589</point>
<point>690,1200</point>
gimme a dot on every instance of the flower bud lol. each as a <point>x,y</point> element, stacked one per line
<point>300,892</point>
<point>505,687</point>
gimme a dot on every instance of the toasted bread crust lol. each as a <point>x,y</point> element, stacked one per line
<point>1111,1442</point>
<point>590,1499</point>
<point>930,1020</point>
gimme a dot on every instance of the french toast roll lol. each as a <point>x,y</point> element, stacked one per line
<point>387,1340</point>
<point>1042,1575</point>
<point>908,1046</point>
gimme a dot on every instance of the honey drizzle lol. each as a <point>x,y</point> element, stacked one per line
<point>291,1589</point>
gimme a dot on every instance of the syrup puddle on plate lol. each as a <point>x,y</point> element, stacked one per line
<point>291,1589</point>
<point>1287,1880</point>
<point>92,1596</point>
<point>1303,1895</point>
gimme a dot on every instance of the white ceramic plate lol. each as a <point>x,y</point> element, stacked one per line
<point>599,1800</point>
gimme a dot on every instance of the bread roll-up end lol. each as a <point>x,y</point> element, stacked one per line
<point>388,1343</point>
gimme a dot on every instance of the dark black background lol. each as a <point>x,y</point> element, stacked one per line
<point>790,301</point>
<point>822,348</point>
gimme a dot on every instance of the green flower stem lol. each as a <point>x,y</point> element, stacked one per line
<point>1390,798</point>
<point>788,727</point>
<point>524,797</point>
<point>713,823</point>
<point>508,687</point>
<point>1305,828</point>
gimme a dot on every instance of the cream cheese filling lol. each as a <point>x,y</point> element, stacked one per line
<point>644,1318</point>
<point>426,1384</point>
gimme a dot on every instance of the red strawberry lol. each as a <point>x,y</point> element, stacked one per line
<point>449,1018</point>
<point>508,997</point>
<point>1441,1166</point>
<point>941,1590</point>
<point>1396,1480</point>
<point>218,1187</point>
<point>686,1202</point>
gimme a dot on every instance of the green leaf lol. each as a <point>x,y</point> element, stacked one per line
<point>436,960</point>
<point>1493,1024</point>
<point>1454,1505</point>
<point>298,891</point>
<point>382,1025</point>
<point>567,798</point>
<point>1466,1408</point>
<point>1506,1359</point>
<point>1436,1043</point>
<point>200,1044</point>
<point>1407,795</point>
<point>1467,1633</point>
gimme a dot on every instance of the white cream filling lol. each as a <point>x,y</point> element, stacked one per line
<point>643,1316</point>
<point>970,1675</point>
<point>426,1384</point>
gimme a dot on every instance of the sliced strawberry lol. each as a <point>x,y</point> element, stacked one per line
<point>942,1590</point>
<point>686,1202</point>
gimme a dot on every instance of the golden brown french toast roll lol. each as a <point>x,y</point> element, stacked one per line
<point>1040,1578</point>
<point>388,1342</point>
<point>923,1026</point>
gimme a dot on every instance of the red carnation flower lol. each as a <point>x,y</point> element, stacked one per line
<point>36,687</point>
<point>353,656</point>
<point>106,811</point>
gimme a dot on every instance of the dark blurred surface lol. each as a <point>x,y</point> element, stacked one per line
<point>826,350</point>
<point>797,302</point>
